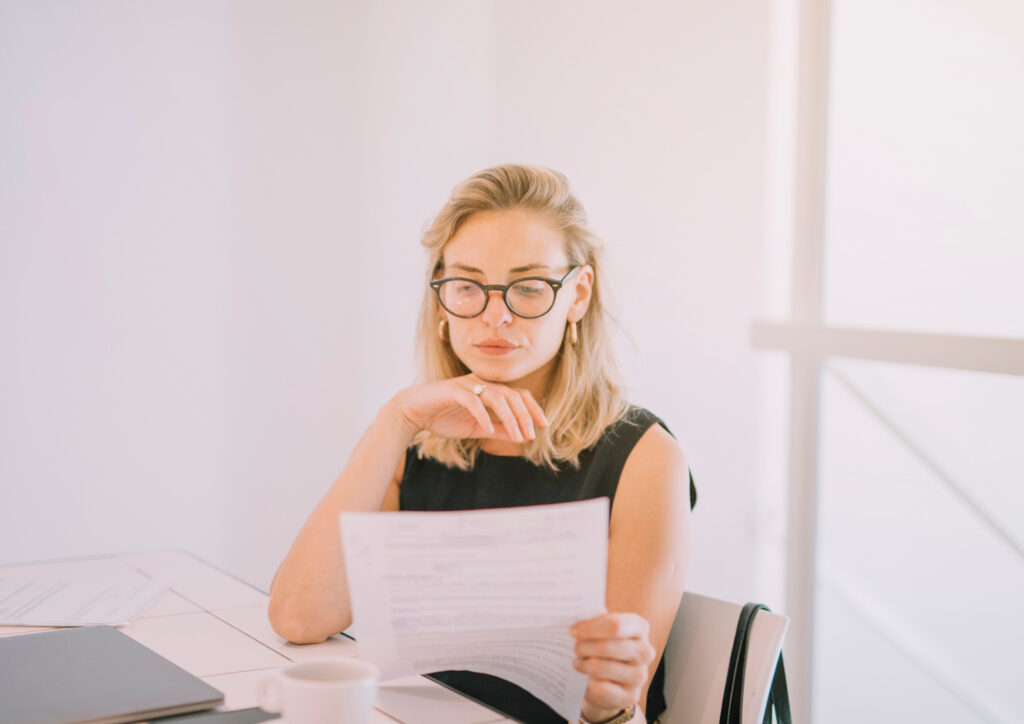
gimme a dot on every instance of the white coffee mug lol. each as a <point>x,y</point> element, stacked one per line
<point>325,691</point>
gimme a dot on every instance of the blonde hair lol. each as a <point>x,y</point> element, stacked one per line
<point>584,395</point>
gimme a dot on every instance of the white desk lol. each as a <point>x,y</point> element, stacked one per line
<point>215,626</point>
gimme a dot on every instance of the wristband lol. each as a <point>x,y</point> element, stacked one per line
<point>624,716</point>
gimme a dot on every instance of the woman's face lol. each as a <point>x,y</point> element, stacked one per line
<point>496,247</point>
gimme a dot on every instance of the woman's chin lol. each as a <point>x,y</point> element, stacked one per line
<point>498,371</point>
<point>506,369</point>
<point>488,373</point>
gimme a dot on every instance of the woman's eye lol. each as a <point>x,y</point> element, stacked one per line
<point>528,289</point>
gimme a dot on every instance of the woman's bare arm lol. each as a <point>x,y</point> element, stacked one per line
<point>648,552</point>
<point>309,595</point>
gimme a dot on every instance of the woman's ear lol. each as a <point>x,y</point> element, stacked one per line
<point>582,287</point>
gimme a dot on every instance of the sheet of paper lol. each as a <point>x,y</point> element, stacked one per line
<point>55,602</point>
<point>491,591</point>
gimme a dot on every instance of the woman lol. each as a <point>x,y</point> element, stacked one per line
<point>521,407</point>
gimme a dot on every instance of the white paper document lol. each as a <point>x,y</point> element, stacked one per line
<point>491,591</point>
<point>54,602</point>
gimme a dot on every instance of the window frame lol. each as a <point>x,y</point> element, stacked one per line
<point>807,340</point>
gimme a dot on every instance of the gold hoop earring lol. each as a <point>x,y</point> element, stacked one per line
<point>442,330</point>
<point>573,334</point>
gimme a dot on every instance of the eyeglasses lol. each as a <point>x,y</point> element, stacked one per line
<point>529,297</point>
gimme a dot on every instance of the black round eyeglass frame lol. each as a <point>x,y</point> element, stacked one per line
<point>555,285</point>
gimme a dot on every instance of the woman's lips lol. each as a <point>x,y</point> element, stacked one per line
<point>496,347</point>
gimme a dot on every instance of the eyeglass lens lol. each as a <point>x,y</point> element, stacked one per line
<point>527,297</point>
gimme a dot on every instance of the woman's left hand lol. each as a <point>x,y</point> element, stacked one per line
<point>614,651</point>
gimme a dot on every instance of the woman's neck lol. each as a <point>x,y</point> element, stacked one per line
<point>502,448</point>
<point>537,382</point>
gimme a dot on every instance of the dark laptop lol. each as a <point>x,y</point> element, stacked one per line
<point>93,674</point>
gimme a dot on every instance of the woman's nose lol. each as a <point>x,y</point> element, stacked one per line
<point>496,312</point>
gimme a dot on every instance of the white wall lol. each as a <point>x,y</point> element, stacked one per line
<point>199,199</point>
<point>114,213</point>
<point>657,111</point>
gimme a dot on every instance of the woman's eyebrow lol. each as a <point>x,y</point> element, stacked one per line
<point>528,267</point>
<point>516,270</point>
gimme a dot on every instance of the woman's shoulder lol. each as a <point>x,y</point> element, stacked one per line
<point>658,448</point>
<point>634,422</point>
<point>610,451</point>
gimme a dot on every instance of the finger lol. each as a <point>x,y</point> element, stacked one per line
<point>536,411</point>
<point>638,651</point>
<point>523,417</point>
<point>499,404</point>
<point>626,676</point>
<point>476,408</point>
<point>612,626</point>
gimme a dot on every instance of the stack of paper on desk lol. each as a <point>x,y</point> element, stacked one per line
<point>491,591</point>
<point>55,602</point>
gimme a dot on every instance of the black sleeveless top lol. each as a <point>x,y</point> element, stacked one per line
<point>498,481</point>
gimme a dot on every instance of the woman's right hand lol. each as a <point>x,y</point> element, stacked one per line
<point>451,409</point>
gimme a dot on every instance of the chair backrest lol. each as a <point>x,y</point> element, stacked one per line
<point>697,660</point>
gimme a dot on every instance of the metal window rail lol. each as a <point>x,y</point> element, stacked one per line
<point>944,477</point>
<point>901,636</point>
<point>1002,355</point>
